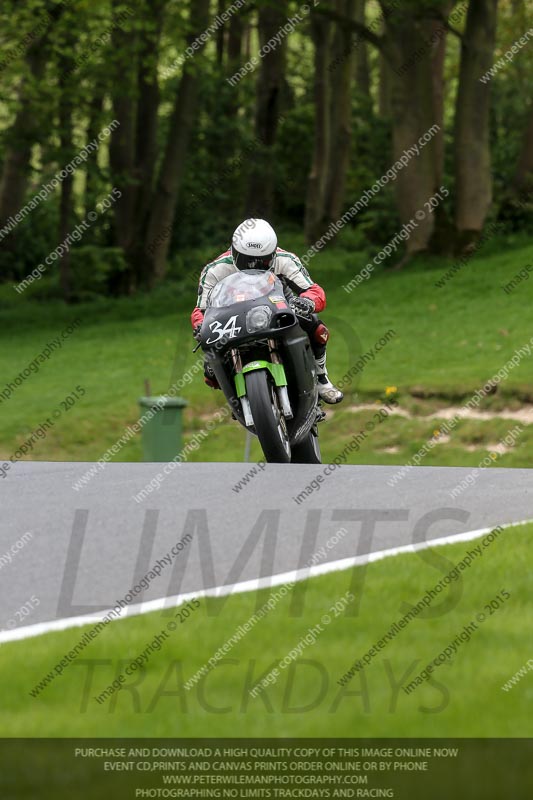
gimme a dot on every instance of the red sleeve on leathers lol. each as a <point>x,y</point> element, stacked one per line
<point>197,317</point>
<point>318,295</point>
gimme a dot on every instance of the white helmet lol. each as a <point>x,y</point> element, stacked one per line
<point>254,244</point>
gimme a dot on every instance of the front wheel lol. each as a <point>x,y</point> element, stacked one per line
<point>308,450</point>
<point>269,422</point>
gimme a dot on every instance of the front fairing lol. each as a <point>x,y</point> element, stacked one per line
<point>242,286</point>
<point>243,307</point>
<point>226,329</point>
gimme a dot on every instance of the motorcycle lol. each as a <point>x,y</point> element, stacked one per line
<point>264,364</point>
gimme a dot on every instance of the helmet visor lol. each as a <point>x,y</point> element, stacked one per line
<point>245,261</point>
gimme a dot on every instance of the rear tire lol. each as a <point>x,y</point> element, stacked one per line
<point>269,421</point>
<point>307,451</point>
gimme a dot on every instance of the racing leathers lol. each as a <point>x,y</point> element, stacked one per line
<point>296,280</point>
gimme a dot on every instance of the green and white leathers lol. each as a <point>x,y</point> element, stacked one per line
<point>285,264</point>
<point>254,249</point>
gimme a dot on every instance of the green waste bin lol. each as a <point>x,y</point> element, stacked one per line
<point>162,430</point>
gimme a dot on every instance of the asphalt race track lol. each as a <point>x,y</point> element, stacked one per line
<point>89,547</point>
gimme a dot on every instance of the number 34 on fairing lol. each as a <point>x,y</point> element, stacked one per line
<point>229,330</point>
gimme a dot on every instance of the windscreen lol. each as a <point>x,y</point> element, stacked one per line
<point>242,286</point>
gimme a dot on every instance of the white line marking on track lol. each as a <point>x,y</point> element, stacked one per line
<point>268,582</point>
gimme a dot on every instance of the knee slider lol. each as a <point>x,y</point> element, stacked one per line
<point>321,334</point>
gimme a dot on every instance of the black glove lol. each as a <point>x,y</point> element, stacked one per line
<point>196,332</point>
<point>302,306</point>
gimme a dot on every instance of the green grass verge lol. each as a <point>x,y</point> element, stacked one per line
<point>463,698</point>
<point>448,342</point>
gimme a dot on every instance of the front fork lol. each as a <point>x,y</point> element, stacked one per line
<point>245,403</point>
<point>282,392</point>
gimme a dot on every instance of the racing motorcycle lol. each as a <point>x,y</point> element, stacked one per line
<point>264,364</point>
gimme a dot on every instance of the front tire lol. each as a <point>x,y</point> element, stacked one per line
<point>308,450</point>
<point>269,421</point>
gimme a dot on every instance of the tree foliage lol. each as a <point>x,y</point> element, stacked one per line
<point>327,99</point>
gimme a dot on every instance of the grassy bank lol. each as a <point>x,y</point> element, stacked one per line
<point>447,342</point>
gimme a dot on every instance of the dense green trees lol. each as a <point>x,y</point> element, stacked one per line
<point>268,107</point>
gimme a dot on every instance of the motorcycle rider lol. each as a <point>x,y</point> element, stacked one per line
<point>254,246</point>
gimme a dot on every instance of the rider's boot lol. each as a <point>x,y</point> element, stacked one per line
<point>209,377</point>
<point>326,390</point>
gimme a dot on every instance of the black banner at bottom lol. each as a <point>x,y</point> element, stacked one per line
<point>405,769</point>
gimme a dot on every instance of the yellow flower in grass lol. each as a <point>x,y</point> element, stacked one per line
<point>390,390</point>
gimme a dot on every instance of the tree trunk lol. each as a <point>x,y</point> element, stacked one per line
<point>340,116</point>
<point>28,127</point>
<point>442,238</point>
<point>385,80</point>
<point>235,38</point>
<point>413,115</point>
<point>362,68</point>
<point>438,36</point>
<point>235,42</point>
<point>220,35</point>
<point>416,75</point>
<point>173,166</point>
<point>248,29</point>
<point>146,135</point>
<point>472,140</point>
<point>66,110</point>
<point>122,145</point>
<point>94,126</point>
<point>20,140</point>
<point>317,180</point>
<point>523,180</point>
<point>269,90</point>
